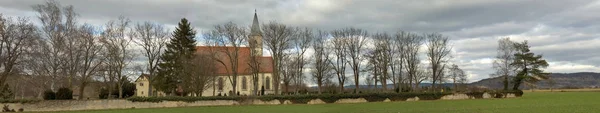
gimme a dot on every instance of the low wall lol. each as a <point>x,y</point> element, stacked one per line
<point>70,105</point>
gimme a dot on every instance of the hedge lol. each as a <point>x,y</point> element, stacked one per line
<point>19,100</point>
<point>327,98</point>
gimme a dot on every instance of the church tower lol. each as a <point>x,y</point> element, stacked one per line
<point>255,37</point>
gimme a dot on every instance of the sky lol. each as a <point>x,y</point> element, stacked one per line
<point>565,32</point>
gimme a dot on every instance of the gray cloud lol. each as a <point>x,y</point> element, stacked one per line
<point>566,32</point>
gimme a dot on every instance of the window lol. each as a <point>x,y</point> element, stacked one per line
<point>267,83</point>
<point>141,84</point>
<point>142,92</point>
<point>220,84</point>
<point>244,83</point>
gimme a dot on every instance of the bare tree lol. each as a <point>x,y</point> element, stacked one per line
<point>300,46</point>
<point>199,74</point>
<point>91,60</point>
<point>57,24</point>
<point>355,41</point>
<point>410,45</point>
<point>322,66</point>
<point>152,39</point>
<point>438,50</point>
<point>118,54</point>
<point>339,63</point>
<point>420,75</point>
<point>231,35</point>
<point>15,39</point>
<point>277,37</point>
<point>457,75</point>
<point>255,67</point>
<point>504,57</point>
<point>383,53</point>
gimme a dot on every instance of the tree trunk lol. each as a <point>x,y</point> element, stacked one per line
<point>356,80</point>
<point>81,90</point>
<point>319,84</point>
<point>120,88</point>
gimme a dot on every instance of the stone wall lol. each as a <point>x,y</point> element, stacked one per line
<point>70,105</point>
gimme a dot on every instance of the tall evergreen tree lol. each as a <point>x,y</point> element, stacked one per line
<point>180,49</point>
<point>528,66</point>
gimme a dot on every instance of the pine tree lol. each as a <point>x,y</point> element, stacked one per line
<point>179,49</point>
<point>528,66</point>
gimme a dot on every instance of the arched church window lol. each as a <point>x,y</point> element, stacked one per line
<point>220,84</point>
<point>244,83</point>
<point>267,83</point>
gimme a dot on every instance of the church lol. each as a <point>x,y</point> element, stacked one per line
<point>222,84</point>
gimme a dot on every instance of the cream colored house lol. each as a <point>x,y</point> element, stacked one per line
<point>143,87</point>
<point>222,84</point>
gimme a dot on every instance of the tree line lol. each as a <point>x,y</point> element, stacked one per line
<point>71,54</point>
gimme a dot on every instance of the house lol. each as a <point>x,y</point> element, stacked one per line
<point>246,55</point>
<point>143,87</point>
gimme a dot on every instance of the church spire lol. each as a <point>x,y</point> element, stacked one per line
<point>255,28</point>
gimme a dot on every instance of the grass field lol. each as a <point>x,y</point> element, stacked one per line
<point>531,102</point>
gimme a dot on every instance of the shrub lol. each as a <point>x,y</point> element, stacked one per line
<point>6,92</point>
<point>19,101</point>
<point>64,94</point>
<point>49,95</point>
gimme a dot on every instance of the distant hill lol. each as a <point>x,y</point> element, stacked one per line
<point>561,80</point>
<point>392,86</point>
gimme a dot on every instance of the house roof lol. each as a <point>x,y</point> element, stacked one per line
<point>224,64</point>
<point>142,76</point>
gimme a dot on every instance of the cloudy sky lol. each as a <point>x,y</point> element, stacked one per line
<point>566,32</point>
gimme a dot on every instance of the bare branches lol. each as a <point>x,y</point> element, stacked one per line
<point>231,35</point>
<point>438,50</point>
<point>118,54</point>
<point>504,58</point>
<point>15,39</point>
<point>152,38</point>
<point>277,37</point>
<point>322,66</point>
<point>355,40</point>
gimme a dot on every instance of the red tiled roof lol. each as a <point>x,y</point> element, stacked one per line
<point>243,59</point>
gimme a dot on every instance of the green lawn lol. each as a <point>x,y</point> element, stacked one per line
<point>535,102</point>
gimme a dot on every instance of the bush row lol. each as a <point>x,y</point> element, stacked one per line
<point>19,100</point>
<point>495,94</point>
<point>327,98</point>
<point>61,94</point>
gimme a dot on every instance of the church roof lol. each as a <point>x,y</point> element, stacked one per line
<point>243,59</point>
<point>255,28</point>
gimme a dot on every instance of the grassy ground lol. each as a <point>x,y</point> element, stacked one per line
<point>531,102</point>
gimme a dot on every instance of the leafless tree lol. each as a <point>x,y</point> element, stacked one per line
<point>504,57</point>
<point>456,74</point>
<point>231,35</point>
<point>383,51</point>
<point>200,73</point>
<point>118,54</point>
<point>322,66</point>
<point>15,39</point>
<point>89,53</point>
<point>288,71</point>
<point>409,46</point>
<point>301,44</point>
<point>420,75</point>
<point>438,50</point>
<point>152,39</point>
<point>277,37</point>
<point>355,40</point>
<point>57,26</point>
<point>255,67</point>
<point>339,62</point>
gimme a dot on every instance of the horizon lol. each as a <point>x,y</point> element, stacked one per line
<point>565,33</point>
